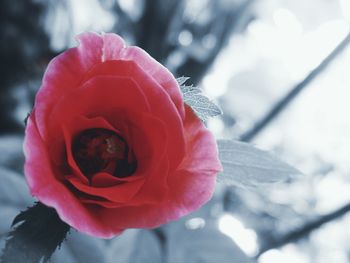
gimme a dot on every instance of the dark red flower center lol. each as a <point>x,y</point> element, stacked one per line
<point>101,150</point>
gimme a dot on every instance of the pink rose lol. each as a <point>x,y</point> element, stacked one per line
<point>110,143</point>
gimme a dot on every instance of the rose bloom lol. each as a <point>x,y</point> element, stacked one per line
<point>110,143</point>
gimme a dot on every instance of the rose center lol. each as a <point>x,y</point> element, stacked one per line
<point>101,150</point>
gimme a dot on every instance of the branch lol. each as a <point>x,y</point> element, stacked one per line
<point>153,28</point>
<point>226,23</point>
<point>260,125</point>
<point>305,230</point>
<point>284,102</point>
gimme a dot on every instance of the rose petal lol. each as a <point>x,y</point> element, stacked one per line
<point>190,187</point>
<point>53,193</point>
<point>91,99</point>
<point>114,49</point>
<point>120,193</point>
<point>64,73</point>
<point>159,101</point>
<point>102,203</point>
<point>186,195</point>
<point>95,97</point>
<point>106,180</point>
<point>201,148</point>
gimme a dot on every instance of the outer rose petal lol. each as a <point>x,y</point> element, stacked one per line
<point>95,96</point>
<point>66,71</point>
<point>191,186</point>
<point>112,51</point>
<point>53,193</point>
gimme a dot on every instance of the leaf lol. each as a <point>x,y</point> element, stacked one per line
<point>182,80</point>
<point>135,246</point>
<point>200,104</point>
<point>246,166</point>
<point>38,233</point>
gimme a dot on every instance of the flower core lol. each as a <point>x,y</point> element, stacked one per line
<point>102,150</point>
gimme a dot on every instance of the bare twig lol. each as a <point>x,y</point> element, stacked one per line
<point>154,25</point>
<point>284,102</point>
<point>306,229</point>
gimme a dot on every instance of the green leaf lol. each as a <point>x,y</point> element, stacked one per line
<point>200,104</point>
<point>246,166</point>
<point>38,232</point>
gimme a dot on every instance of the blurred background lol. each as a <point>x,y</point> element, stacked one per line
<point>280,71</point>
